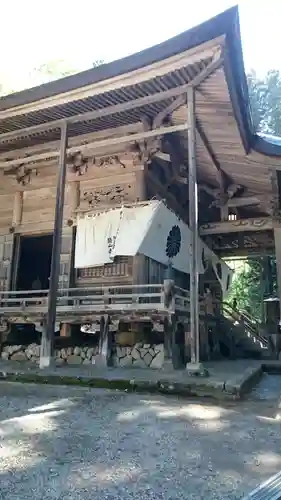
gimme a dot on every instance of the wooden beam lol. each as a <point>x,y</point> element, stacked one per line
<point>274,202</point>
<point>251,224</point>
<point>164,194</point>
<point>193,225</point>
<point>175,104</point>
<point>17,210</point>
<point>163,156</point>
<point>243,201</point>
<point>74,196</point>
<point>220,175</point>
<point>48,334</point>
<point>96,145</point>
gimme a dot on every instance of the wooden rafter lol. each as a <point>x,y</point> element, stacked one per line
<point>165,194</point>
<point>220,175</point>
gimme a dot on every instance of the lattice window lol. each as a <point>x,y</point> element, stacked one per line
<point>122,266</point>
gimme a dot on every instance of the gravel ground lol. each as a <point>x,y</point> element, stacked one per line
<point>74,443</point>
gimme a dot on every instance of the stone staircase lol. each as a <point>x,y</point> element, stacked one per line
<point>242,334</point>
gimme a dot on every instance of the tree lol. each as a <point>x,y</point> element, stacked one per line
<point>52,70</point>
<point>265,99</point>
<point>46,72</point>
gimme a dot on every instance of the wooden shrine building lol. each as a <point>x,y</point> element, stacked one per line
<point>123,186</point>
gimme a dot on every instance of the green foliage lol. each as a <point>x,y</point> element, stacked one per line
<point>265,98</point>
<point>246,289</point>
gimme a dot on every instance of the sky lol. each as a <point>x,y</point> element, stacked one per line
<point>79,32</point>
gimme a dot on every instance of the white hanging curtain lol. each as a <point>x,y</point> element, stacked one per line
<point>95,239</point>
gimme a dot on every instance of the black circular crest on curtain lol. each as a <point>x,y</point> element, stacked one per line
<point>173,243</point>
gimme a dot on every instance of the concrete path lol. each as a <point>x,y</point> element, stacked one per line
<point>62,443</point>
<point>228,379</point>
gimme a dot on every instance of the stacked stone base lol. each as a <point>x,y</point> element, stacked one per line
<point>140,356</point>
<point>69,355</point>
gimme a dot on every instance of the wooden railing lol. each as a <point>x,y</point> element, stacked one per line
<point>95,300</point>
<point>251,325</point>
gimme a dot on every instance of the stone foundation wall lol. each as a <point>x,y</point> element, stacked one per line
<point>69,355</point>
<point>140,356</point>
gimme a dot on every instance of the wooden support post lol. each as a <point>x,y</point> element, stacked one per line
<point>140,191</point>
<point>65,330</point>
<point>167,341</point>
<point>17,210</point>
<point>48,333</point>
<point>193,225</point>
<point>104,354</point>
<point>277,238</point>
<point>74,196</point>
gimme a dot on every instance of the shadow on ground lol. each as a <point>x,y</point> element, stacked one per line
<point>75,443</point>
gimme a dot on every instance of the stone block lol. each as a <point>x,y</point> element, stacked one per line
<point>63,353</point>
<point>135,353</point>
<point>127,361</point>
<point>59,361</point>
<point>146,346</point>
<point>69,351</point>
<point>121,351</point>
<point>83,354</point>
<point>77,351</point>
<point>74,360</point>
<point>139,363</point>
<point>142,352</point>
<point>90,352</point>
<point>18,356</point>
<point>158,360</point>
<point>5,355</point>
<point>86,361</point>
<point>159,348</point>
<point>147,358</point>
<point>28,353</point>
<point>15,348</point>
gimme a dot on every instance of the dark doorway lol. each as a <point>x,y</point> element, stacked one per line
<point>34,262</point>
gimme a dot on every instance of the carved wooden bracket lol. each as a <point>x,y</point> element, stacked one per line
<point>107,195</point>
<point>108,161</point>
<point>144,151</point>
<point>22,174</point>
<point>78,163</point>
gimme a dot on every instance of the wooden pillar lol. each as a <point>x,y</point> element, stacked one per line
<point>140,190</point>
<point>17,209</point>
<point>104,343</point>
<point>48,333</point>
<point>74,196</point>
<point>65,330</point>
<point>193,225</point>
<point>277,239</point>
<point>139,276</point>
